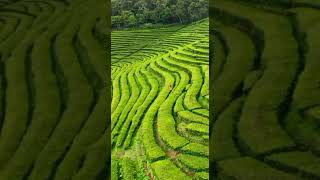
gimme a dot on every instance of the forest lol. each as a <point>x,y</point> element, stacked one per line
<point>148,13</point>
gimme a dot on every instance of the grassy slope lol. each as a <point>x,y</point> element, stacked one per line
<point>151,69</point>
<point>54,99</point>
<point>267,117</point>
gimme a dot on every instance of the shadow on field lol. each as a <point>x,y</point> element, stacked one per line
<point>265,109</point>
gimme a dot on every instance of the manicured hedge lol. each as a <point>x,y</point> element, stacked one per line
<point>309,77</point>
<point>170,79</point>
<point>302,162</point>
<point>142,109</point>
<point>196,148</point>
<point>165,121</point>
<point>134,93</point>
<point>77,107</point>
<point>128,170</point>
<point>238,63</point>
<point>192,117</point>
<point>280,59</point>
<point>222,143</point>
<point>249,168</point>
<point>125,95</point>
<point>165,169</point>
<point>197,163</point>
<point>197,128</point>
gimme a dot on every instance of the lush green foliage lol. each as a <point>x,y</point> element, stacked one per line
<point>53,92</point>
<point>151,80</point>
<point>147,12</point>
<point>265,94</point>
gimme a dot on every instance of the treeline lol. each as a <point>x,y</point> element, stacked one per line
<point>135,13</point>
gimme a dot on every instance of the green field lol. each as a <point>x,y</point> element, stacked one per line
<point>266,105</point>
<point>54,113</point>
<point>160,102</point>
<point>57,118</point>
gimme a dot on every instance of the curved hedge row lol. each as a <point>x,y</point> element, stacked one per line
<point>171,78</point>
<point>265,125</point>
<point>53,94</point>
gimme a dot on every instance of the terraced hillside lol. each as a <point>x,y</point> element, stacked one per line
<point>266,88</point>
<point>54,89</point>
<point>160,103</point>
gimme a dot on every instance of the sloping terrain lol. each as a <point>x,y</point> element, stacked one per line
<point>266,91</point>
<point>160,110</point>
<point>54,90</point>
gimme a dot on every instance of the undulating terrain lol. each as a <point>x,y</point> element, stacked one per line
<point>160,103</point>
<point>55,93</point>
<point>266,89</point>
<point>54,100</point>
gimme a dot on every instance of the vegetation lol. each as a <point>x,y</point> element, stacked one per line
<point>159,77</point>
<point>53,95</point>
<point>265,86</point>
<point>146,13</point>
<point>263,121</point>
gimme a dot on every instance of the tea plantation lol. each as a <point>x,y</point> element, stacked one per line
<point>55,116</point>
<point>54,90</point>
<point>160,103</point>
<point>266,89</point>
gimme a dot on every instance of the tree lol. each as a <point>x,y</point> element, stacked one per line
<point>130,13</point>
<point>182,11</point>
<point>116,21</point>
<point>126,16</point>
<point>140,18</point>
<point>132,20</point>
<point>194,10</point>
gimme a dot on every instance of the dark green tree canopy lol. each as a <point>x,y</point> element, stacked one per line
<point>134,13</point>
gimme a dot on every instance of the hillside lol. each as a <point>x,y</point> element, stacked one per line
<point>266,86</point>
<point>53,91</point>
<point>160,110</point>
